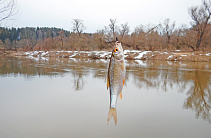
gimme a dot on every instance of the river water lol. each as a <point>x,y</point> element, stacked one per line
<point>67,98</point>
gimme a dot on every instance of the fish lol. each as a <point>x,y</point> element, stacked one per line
<point>115,78</point>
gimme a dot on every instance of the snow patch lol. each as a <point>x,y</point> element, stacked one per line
<point>142,54</point>
<point>171,56</point>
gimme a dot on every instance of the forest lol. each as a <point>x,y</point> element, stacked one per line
<point>163,36</point>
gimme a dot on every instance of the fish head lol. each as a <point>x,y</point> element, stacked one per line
<point>118,52</point>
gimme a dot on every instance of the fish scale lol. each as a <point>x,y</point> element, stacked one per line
<point>116,76</point>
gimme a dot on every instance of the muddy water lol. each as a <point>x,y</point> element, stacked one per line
<point>67,98</point>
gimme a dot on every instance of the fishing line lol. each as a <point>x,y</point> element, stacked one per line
<point>116,10</point>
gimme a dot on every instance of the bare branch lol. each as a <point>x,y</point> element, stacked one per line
<point>78,26</point>
<point>151,29</point>
<point>8,9</point>
<point>125,29</point>
<point>113,27</point>
<point>200,16</point>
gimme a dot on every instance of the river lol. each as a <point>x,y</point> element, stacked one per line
<point>67,98</point>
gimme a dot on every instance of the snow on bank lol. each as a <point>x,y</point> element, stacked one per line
<point>128,54</point>
<point>142,54</point>
<point>88,54</point>
<point>171,56</point>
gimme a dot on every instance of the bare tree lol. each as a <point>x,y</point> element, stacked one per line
<point>113,27</point>
<point>124,30</point>
<point>168,29</point>
<point>139,30</point>
<point>78,26</point>
<point>107,35</point>
<point>200,16</point>
<point>180,33</point>
<point>8,8</point>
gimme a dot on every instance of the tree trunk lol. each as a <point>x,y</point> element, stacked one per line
<point>198,43</point>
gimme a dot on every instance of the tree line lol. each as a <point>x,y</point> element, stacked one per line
<point>163,36</point>
<point>28,37</point>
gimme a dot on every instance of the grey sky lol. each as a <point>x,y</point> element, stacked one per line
<point>96,13</point>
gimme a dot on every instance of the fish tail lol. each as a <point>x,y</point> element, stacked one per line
<point>112,113</point>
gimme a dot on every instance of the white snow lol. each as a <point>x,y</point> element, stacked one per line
<point>126,51</point>
<point>44,53</point>
<point>101,54</point>
<point>74,54</point>
<point>135,51</point>
<point>171,56</point>
<point>142,54</point>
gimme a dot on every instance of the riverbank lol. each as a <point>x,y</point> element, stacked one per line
<point>197,56</point>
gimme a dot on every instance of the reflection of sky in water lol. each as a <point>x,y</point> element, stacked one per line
<point>50,106</point>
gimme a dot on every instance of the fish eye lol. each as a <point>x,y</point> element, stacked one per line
<point>116,49</point>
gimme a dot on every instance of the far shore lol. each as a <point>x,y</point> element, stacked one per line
<point>177,55</point>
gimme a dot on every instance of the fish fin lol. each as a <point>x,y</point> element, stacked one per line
<point>107,83</point>
<point>112,113</point>
<point>123,81</point>
<point>120,95</point>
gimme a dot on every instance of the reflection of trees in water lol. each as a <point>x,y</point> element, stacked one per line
<point>51,67</point>
<point>100,73</point>
<point>165,76</point>
<point>200,96</point>
<point>28,67</point>
<point>155,78</point>
<point>78,74</point>
<point>83,68</point>
<point>78,82</point>
<point>154,75</point>
<point>145,79</point>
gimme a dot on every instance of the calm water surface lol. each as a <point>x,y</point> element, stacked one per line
<point>67,98</point>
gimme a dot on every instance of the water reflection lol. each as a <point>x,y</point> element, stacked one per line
<point>199,95</point>
<point>196,76</point>
<point>78,82</point>
<point>190,77</point>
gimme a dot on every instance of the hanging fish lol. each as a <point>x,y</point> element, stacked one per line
<point>115,78</point>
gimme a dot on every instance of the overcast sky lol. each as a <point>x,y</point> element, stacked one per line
<point>96,14</point>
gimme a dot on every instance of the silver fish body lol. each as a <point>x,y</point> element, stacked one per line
<point>116,74</point>
<point>115,79</point>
